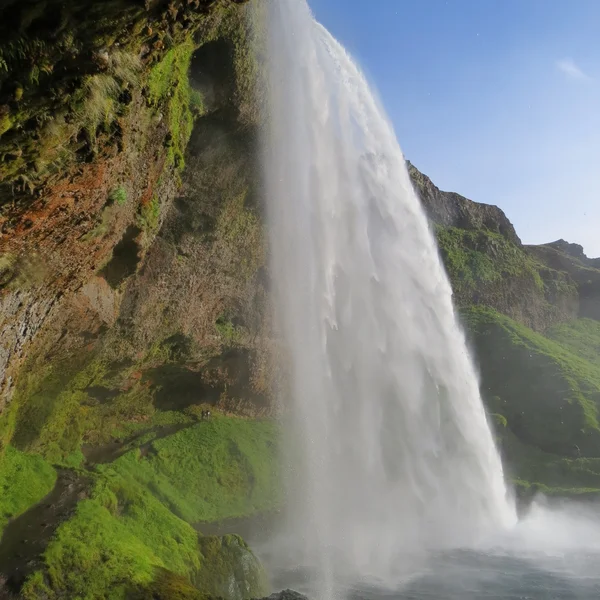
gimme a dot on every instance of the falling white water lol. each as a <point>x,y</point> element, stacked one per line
<point>395,451</point>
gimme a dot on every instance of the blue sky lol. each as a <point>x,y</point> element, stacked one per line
<point>498,100</point>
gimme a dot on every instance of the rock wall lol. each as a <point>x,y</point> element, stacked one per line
<point>140,264</point>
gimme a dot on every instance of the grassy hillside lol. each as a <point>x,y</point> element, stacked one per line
<point>546,395</point>
<point>223,468</point>
<point>582,337</point>
<point>24,480</point>
<point>487,269</point>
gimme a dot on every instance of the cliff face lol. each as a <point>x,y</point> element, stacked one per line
<point>100,267</point>
<point>585,272</point>
<point>453,210</point>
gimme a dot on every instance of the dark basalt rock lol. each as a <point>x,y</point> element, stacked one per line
<point>286,595</point>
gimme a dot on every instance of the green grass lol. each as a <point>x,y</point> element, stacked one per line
<point>115,541</point>
<point>50,406</point>
<point>476,258</point>
<point>223,468</point>
<point>582,337</point>
<point>549,395</point>
<point>551,474</point>
<point>24,480</point>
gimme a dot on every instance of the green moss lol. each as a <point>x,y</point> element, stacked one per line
<point>552,474</point>
<point>499,420</point>
<point>125,541</point>
<point>169,84</point>
<point>51,406</point>
<point>5,123</point>
<point>168,586</point>
<point>149,215</point>
<point>24,480</point>
<point>223,468</point>
<point>118,196</point>
<point>229,333</point>
<point>8,423</point>
<point>115,541</point>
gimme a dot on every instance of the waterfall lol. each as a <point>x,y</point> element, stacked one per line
<point>393,448</point>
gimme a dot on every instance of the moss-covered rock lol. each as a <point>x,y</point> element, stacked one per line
<point>124,541</point>
<point>487,269</point>
<point>488,265</point>
<point>230,569</point>
<point>168,586</point>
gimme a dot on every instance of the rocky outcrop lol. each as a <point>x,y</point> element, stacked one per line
<point>453,210</point>
<point>229,569</point>
<point>561,256</point>
<point>576,251</point>
<point>286,595</point>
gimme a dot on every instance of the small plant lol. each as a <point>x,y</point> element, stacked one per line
<point>196,102</point>
<point>148,218</point>
<point>101,93</point>
<point>227,330</point>
<point>125,67</point>
<point>118,196</point>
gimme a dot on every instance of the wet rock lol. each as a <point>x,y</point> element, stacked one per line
<point>286,595</point>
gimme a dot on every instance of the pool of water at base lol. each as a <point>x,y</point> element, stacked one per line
<point>469,575</point>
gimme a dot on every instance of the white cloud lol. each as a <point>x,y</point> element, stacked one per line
<point>571,70</point>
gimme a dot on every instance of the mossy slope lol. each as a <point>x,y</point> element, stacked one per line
<point>129,533</point>
<point>487,269</point>
<point>545,398</point>
<point>215,470</point>
<point>24,480</point>
<point>548,395</point>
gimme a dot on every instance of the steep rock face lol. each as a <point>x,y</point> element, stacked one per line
<point>576,251</point>
<point>133,295</point>
<point>95,116</point>
<point>487,263</point>
<point>453,210</point>
<point>584,271</point>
